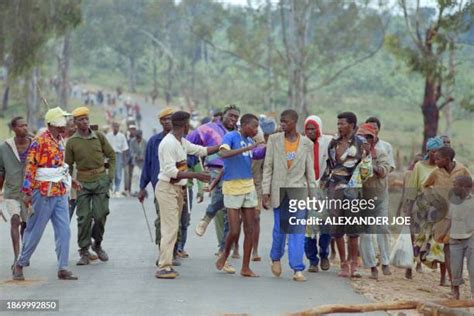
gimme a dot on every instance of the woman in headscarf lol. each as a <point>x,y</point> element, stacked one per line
<point>420,173</point>
<point>313,128</point>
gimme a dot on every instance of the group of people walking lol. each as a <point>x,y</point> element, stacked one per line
<point>247,164</point>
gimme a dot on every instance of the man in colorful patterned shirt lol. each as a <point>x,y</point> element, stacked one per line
<point>45,187</point>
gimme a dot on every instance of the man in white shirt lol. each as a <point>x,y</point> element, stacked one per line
<point>172,180</point>
<point>381,144</point>
<point>382,237</point>
<point>119,143</point>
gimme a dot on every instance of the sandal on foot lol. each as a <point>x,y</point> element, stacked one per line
<point>354,272</point>
<point>166,274</point>
<point>344,273</point>
<point>18,276</point>
<point>66,275</point>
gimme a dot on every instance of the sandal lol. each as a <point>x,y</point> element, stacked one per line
<point>66,275</point>
<point>18,276</point>
<point>166,274</point>
<point>182,254</point>
<point>354,272</point>
<point>344,273</point>
<point>257,258</point>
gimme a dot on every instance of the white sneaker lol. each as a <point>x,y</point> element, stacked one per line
<point>228,268</point>
<point>298,276</point>
<point>201,227</point>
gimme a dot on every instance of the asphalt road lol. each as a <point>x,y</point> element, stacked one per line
<point>126,285</point>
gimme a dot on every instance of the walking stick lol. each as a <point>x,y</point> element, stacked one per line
<point>3,216</point>
<point>187,200</point>
<point>147,223</point>
<point>206,185</point>
<point>41,96</point>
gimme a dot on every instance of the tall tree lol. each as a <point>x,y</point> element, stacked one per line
<point>317,42</point>
<point>116,24</point>
<point>429,50</point>
<point>161,17</point>
<point>323,39</point>
<point>27,26</point>
<point>64,59</point>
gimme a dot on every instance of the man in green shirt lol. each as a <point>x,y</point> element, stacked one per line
<point>88,150</point>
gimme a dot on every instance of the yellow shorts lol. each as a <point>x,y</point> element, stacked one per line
<point>248,200</point>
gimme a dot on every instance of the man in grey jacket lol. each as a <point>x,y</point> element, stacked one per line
<point>288,164</point>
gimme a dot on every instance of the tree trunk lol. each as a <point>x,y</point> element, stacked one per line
<point>32,100</point>
<point>169,81</point>
<point>432,94</point>
<point>207,92</point>
<point>430,110</point>
<point>197,54</point>
<point>287,29</point>
<point>6,92</point>
<point>154,93</point>
<point>448,117</point>
<point>64,71</point>
<point>295,39</point>
<point>169,69</point>
<point>270,99</point>
<point>447,110</point>
<point>131,75</point>
<point>5,99</point>
<point>373,307</point>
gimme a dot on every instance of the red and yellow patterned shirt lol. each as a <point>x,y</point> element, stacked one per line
<point>45,152</point>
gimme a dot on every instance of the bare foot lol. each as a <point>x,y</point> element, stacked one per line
<point>455,293</point>
<point>451,295</point>
<point>220,262</point>
<point>248,273</point>
<point>419,269</point>
<point>442,281</point>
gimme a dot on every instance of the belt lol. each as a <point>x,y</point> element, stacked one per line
<point>173,182</point>
<point>91,172</point>
<point>214,167</point>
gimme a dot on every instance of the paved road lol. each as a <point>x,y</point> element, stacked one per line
<point>126,284</point>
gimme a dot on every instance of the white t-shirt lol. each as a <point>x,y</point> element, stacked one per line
<point>118,142</point>
<point>171,151</point>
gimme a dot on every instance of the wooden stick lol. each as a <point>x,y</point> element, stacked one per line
<point>3,216</point>
<point>371,307</point>
<point>200,162</point>
<point>41,96</point>
<point>429,308</point>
